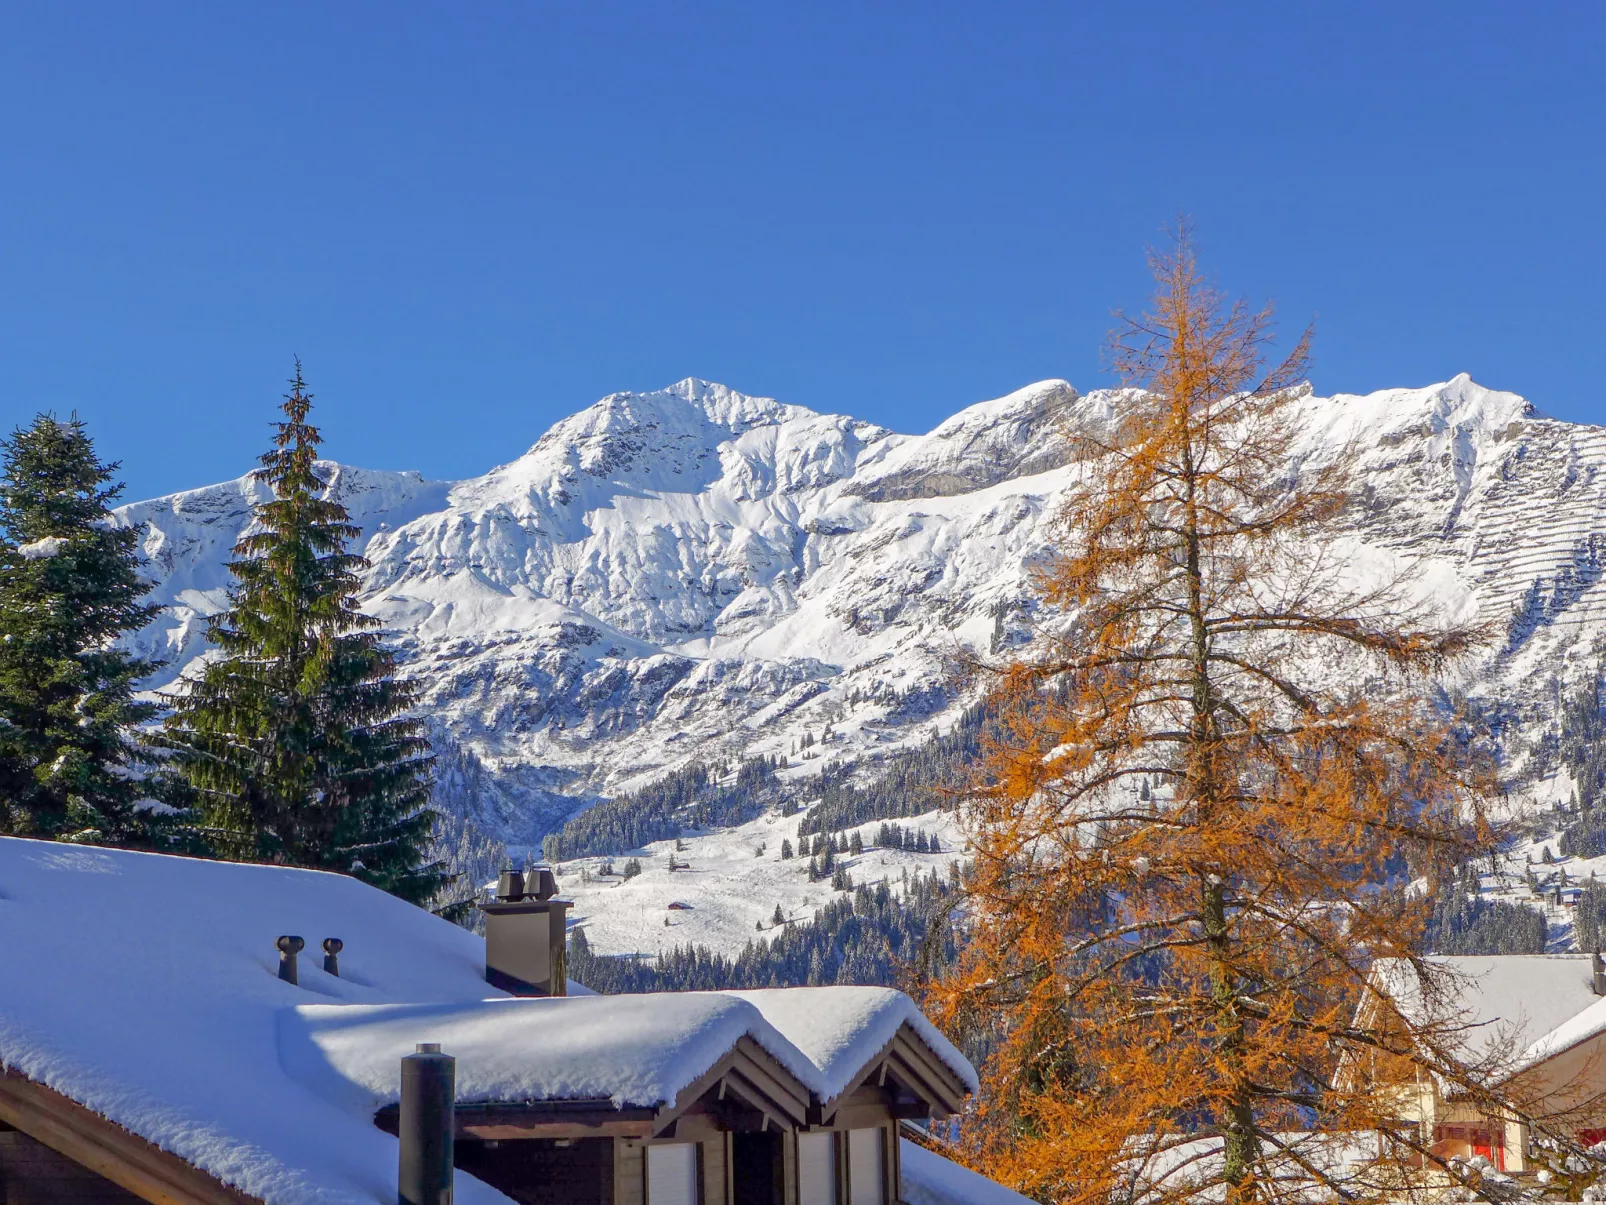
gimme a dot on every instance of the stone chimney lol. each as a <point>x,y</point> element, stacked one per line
<point>525,934</point>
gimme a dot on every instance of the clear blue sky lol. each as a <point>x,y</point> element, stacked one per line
<point>472,219</point>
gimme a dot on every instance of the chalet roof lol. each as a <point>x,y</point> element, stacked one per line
<point>929,1179</point>
<point>1522,1007</point>
<point>628,1050</point>
<point>145,988</point>
<point>841,1029</point>
<point>570,1049</point>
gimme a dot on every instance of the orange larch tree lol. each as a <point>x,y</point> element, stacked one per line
<point>1194,836</point>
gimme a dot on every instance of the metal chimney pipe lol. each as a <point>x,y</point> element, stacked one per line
<point>288,947</point>
<point>427,1125</point>
<point>331,955</point>
<point>510,886</point>
<point>1598,974</point>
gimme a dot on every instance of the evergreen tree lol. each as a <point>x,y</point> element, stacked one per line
<point>68,589</point>
<point>855,843</point>
<point>779,918</point>
<point>296,739</point>
<point>786,849</point>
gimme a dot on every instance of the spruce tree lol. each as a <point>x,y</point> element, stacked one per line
<point>297,739</point>
<point>69,587</point>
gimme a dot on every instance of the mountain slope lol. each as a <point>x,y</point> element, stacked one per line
<point>692,572</point>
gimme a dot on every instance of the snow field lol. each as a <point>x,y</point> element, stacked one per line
<point>729,890</point>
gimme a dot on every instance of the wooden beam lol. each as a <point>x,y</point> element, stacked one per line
<point>537,1119</point>
<point>754,1072</point>
<point>107,1149</point>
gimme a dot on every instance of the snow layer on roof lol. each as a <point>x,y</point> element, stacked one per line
<point>841,1029</point>
<point>1569,1033</point>
<point>146,988</point>
<point>1536,1004</point>
<point>526,1050</point>
<point>929,1179</point>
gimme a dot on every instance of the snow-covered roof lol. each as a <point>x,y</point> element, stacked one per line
<point>841,1029</point>
<point>1522,1007</point>
<point>570,1049</point>
<point>145,987</point>
<point>533,1049</point>
<point>929,1179</point>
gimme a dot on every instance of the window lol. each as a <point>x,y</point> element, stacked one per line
<point>866,1167</point>
<point>816,1169</point>
<point>672,1174</point>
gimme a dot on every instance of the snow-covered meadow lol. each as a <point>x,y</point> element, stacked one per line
<point>726,892</point>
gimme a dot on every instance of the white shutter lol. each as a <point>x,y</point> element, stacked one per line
<point>672,1174</point>
<point>866,1167</point>
<point>816,1168</point>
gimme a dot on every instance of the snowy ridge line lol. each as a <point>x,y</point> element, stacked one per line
<point>691,573</point>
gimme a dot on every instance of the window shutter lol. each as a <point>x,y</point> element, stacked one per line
<point>867,1174</point>
<point>816,1168</point>
<point>672,1174</point>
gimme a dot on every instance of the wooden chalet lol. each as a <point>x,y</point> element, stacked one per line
<point>165,1040</point>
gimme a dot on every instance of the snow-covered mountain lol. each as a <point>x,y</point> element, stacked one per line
<point>693,572</point>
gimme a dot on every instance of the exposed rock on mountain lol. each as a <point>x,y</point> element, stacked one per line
<point>697,573</point>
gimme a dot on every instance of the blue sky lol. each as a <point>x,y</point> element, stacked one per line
<point>470,220</point>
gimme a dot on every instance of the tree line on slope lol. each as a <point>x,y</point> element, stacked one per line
<point>874,935</point>
<point>295,745</point>
<point>1464,923</point>
<point>921,780</point>
<point>704,796</point>
<point>1581,745</point>
<point>690,797</point>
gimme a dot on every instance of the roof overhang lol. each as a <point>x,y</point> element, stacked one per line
<point>916,1082</point>
<point>104,1147</point>
<point>747,1089</point>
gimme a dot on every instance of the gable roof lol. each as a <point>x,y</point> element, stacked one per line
<point>639,1050</point>
<point>145,988</point>
<point>841,1029</point>
<point>1525,1007</point>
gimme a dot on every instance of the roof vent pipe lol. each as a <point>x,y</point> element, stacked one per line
<point>426,1124</point>
<point>289,947</point>
<point>331,955</point>
<point>1598,975</point>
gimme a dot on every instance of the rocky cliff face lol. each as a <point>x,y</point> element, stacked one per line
<point>695,572</point>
